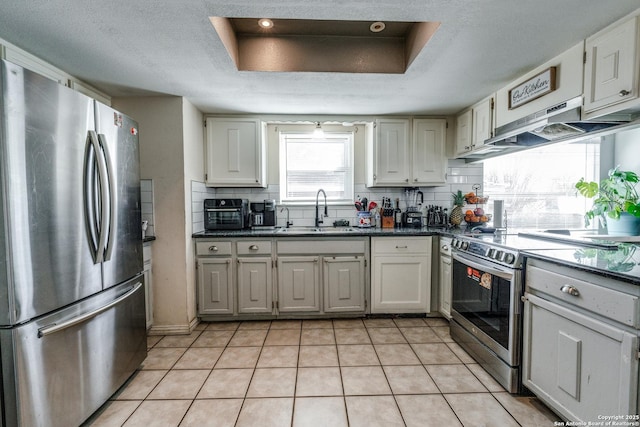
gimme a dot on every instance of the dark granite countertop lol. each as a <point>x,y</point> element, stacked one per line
<point>622,264</point>
<point>327,232</point>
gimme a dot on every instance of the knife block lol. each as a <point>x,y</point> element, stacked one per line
<point>387,222</point>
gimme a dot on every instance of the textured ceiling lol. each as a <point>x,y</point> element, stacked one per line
<point>145,47</point>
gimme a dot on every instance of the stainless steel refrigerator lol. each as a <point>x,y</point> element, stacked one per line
<point>72,317</point>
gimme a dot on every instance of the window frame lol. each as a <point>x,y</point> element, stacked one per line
<point>348,137</point>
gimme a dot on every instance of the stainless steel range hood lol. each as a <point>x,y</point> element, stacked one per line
<point>561,122</point>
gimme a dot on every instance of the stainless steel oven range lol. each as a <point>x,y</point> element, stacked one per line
<point>486,307</point>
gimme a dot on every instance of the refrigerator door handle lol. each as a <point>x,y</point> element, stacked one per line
<point>57,327</point>
<point>110,200</point>
<point>94,220</point>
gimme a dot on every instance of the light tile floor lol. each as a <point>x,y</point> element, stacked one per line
<point>371,372</point>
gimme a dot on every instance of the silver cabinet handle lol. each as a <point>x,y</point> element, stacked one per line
<point>624,92</point>
<point>213,248</point>
<point>406,180</point>
<point>401,247</point>
<point>415,179</point>
<point>568,289</point>
<point>253,247</point>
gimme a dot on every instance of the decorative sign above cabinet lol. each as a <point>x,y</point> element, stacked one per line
<point>533,88</point>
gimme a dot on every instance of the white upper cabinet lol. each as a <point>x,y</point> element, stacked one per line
<point>388,153</point>
<point>474,127</point>
<point>612,68</point>
<point>464,133</point>
<point>483,124</point>
<point>236,154</point>
<point>428,158</point>
<point>398,157</point>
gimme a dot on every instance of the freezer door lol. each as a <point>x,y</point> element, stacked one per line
<point>45,262</point>
<point>118,135</point>
<point>60,369</point>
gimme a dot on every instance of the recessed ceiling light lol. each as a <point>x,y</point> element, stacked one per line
<point>265,23</point>
<point>376,27</point>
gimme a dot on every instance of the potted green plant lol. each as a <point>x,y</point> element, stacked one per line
<point>615,201</point>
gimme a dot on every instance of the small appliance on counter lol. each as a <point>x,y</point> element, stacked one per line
<point>412,218</point>
<point>263,214</point>
<point>226,214</point>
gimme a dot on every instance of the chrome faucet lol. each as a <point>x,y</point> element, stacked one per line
<point>326,212</point>
<point>289,223</point>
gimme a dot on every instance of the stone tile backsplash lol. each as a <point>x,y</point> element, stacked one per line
<point>460,176</point>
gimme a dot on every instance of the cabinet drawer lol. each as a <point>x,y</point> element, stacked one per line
<point>254,247</point>
<point>609,303</point>
<point>416,245</point>
<point>321,246</point>
<point>213,248</point>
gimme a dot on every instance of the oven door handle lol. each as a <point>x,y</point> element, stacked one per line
<point>505,274</point>
<point>222,210</point>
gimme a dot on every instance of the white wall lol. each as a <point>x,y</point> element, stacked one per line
<point>627,150</point>
<point>193,134</point>
<point>162,154</point>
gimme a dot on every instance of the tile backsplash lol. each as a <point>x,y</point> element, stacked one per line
<point>460,176</point>
<point>146,196</point>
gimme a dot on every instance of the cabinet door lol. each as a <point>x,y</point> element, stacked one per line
<point>482,123</point>
<point>235,153</point>
<point>400,284</point>
<point>463,132</point>
<point>343,279</point>
<point>215,286</point>
<point>445,286</point>
<point>298,284</point>
<point>611,70</point>
<point>579,366</point>
<point>428,159</point>
<point>255,292</point>
<point>391,164</point>
<point>148,293</point>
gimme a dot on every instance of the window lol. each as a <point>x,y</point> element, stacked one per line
<point>308,163</point>
<point>537,185</point>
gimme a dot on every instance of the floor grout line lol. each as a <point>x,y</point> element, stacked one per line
<point>403,328</point>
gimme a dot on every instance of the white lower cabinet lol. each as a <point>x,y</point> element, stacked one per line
<point>401,274</point>
<point>581,363</point>
<point>215,285</point>
<point>298,284</point>
<point>344,279</point>
<point>445,286</point>
<point>322,275</point>
<point>255,285</point>
<point>148,283</point>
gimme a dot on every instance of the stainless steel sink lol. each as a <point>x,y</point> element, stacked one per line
<point>317,230</point>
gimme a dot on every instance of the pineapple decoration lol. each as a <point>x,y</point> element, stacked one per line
<point>455,218</point>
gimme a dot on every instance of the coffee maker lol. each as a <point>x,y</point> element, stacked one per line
<point>263,214</point>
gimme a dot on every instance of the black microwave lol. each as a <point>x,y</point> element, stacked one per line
<point>226,214</point>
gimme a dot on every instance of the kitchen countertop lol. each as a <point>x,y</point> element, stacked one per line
<point>621,264</point>
<point>330,232</point>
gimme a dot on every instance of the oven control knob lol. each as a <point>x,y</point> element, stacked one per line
<point>465,246</point>
<point>498,255</point>
<point>491,253</point>
<point>509,258</point>
<point>454,243</point>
